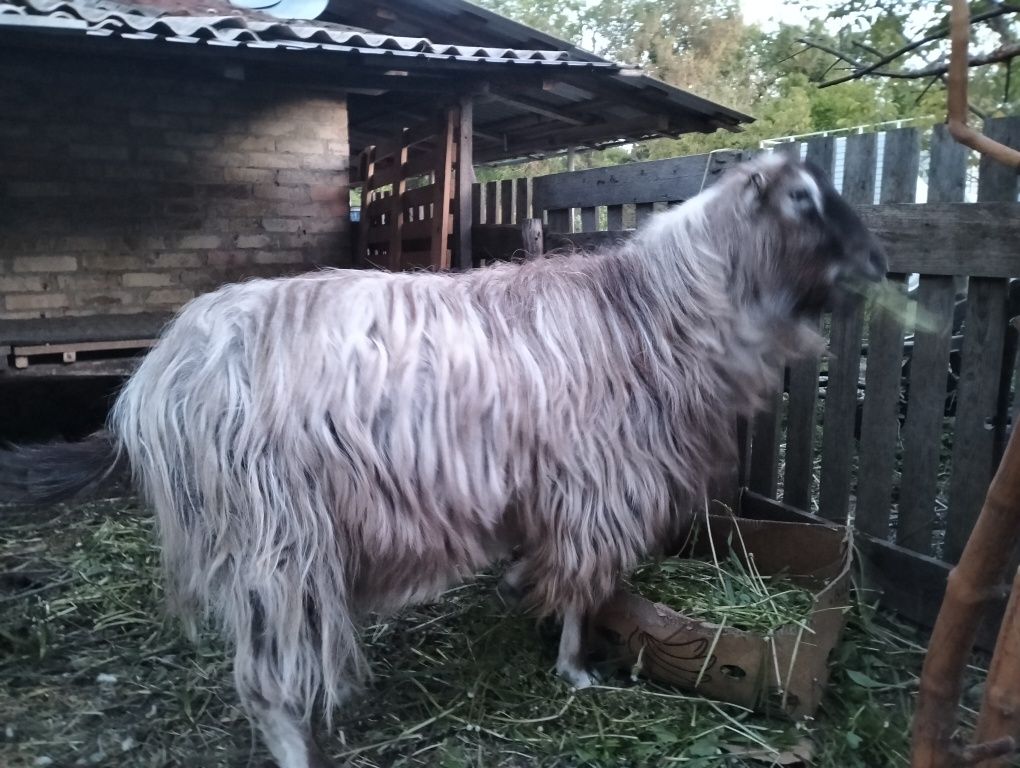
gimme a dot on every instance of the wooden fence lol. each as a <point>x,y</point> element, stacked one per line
<point>899,430</point>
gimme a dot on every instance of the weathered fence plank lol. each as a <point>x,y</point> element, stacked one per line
<point>977,394</point>
<point>492,203</point>
<point>922,432</point>
<point>844,364</point>
<point>984,332</point>
<point>883,375</point>
<point>654,181</point>
<point>763,474</point>
<point>477,208</point>
<point>506,201</point>
<point>614,217</point>
<point>801,416</point>
<point>642,212</point>
<point>561,220</point>
<point>589,219</point>
<point>523,200</point>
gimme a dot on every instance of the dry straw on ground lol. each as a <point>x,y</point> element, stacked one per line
<point>91,673</point>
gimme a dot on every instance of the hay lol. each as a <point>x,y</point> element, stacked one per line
<point>725,593</point>
<point>92,674</point>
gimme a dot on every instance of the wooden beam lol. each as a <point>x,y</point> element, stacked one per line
<point>58,330</point>
<point>534,107</point>
<point>976,239</point>
<point>649,182</point>
<point>555,135</point>
<point>462,254</point>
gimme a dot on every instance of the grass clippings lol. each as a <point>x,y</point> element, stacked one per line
<point>91,673</point>
<point>725,593</point>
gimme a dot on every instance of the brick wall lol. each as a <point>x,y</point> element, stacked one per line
<point>129,187</point>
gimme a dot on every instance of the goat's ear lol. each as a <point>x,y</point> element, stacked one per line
<point>757,184</point>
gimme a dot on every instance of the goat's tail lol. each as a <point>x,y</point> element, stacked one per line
<point>38,475</point>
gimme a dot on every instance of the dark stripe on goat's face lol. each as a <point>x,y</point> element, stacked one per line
<point>860,255</point>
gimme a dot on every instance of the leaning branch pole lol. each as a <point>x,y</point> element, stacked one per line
<point>959,25</point>
<point>1000,710</point>
<point>972,586</point>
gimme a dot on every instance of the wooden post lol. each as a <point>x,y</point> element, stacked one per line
<point>970,588</point>
<point>534,240</point>
<point>367,182</point>
<point>439,257</point>
<point>462,255</point>
<point>395,253</point>
<point>1000,708</point>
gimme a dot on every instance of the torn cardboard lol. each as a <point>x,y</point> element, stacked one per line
<point>783,674</point>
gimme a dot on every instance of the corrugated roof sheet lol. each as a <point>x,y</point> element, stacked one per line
<point>112,19</point>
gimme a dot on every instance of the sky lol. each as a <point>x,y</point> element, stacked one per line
<point>763,12</point>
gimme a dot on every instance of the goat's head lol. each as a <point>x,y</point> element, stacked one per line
<point>815,248</point>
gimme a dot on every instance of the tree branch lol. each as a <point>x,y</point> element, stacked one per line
<point>862,69</point>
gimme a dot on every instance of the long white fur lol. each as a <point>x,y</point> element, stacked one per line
<point>321,446</point>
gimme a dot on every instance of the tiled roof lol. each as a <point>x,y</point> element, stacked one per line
<point>107,19</point>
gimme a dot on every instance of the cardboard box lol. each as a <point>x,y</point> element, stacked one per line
<point>743,666</point>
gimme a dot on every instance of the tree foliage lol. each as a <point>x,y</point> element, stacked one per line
<point>706,47</point>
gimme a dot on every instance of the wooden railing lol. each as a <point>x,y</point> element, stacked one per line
<point>899,430</point>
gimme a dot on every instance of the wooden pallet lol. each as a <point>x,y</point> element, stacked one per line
<point>26,356</point>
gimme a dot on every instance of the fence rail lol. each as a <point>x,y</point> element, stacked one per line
<point>899,429</point>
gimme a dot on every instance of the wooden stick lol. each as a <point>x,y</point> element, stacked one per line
<point>970,588</point>
<point>1000,708</point>
<point>976,753</point>
<point>957,92</point>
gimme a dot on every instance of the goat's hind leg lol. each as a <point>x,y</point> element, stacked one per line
<point>289,739</point>
<point>280,717</point>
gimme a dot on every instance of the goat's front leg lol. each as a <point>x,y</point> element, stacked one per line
<point>570,662</point>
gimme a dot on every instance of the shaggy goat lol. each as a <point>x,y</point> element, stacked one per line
<point>322,446</point>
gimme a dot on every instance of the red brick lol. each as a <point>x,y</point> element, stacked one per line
<point>145,279</point>
<point>199,242</point>
<point>45,264</point>
<point>30,301</point>
<point>194,140</point>
<point>328,192</point>
<point>170,296</point>
<point>301,146</point>
<point>282,225</point>
<point>279,192</point>
<point>250,175</point>
<point>22,284</point>
<point>246,143</point>
<point>280,257</point>
<point>273,160</point>
<point>252,241</point>
<point>187,259</point>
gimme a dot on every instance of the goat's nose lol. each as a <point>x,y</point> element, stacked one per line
<point>877,263</point>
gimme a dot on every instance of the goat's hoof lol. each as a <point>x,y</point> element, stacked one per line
<point>578,677</point>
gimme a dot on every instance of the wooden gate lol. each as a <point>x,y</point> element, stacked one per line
<point>408,197</point>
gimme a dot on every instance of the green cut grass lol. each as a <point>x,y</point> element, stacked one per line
<point>91,673</point>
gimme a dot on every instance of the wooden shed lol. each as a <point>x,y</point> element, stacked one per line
<point>151,152</point>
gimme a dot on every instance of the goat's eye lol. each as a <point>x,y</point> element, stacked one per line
<point>802,200</point>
